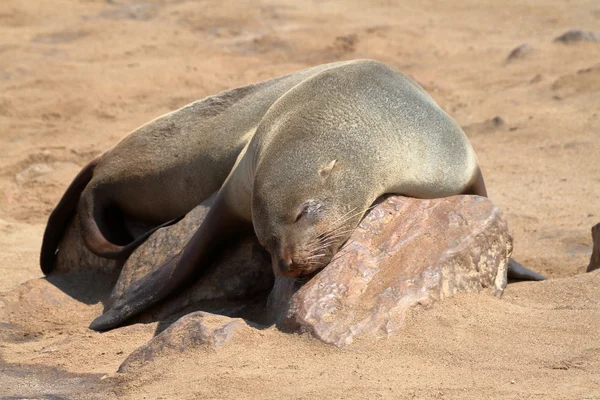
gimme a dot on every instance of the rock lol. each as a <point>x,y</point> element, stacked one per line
<point>405,252</point>
<point>160,246</point>
<point>595,258</point>
<point>278,302</point>
<point>196,330</point>
<point>537,78</point>
<point>576,35</point>
<point>240,272</point>
<point>519,52</point>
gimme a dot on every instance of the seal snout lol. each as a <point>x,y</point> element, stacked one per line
<point>294,264</point>
<point>286,267</point>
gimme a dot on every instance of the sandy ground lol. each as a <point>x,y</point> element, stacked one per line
<point>78,75</point>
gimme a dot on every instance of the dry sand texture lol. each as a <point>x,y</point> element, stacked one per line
<point>77,75</point>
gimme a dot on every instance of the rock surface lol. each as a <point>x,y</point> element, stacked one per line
<point>405,252</point>
<point>595,258</point>
<point>195,330</point>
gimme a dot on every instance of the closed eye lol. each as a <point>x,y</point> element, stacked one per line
<point>301,213</point>
<point>311,208</point>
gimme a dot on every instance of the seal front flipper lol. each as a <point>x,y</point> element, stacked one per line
<point>61,216</point>
<point>518,272</point>
<point>142,294</point>
<point>219,224</point>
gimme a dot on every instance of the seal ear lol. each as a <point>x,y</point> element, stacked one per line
<point>326,170</point>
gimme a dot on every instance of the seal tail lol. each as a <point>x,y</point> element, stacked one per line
<point>62,215</point>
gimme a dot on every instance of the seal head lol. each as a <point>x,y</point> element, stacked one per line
<point>305,231</point>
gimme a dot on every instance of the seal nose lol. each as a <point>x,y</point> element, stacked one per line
<point>285,266</point>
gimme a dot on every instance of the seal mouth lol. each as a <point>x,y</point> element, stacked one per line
<point>292,267</point>
<point>286,267</point>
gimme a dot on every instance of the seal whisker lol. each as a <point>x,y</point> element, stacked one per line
<point>340,221</point>
<point>332,238</point>
<point>337,224</point>
<point>332,234</point>
<point>315,256</point>
<point>343,216</point>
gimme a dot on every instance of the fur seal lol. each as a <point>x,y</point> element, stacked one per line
<point>320,156</point>
<point>162,170</point>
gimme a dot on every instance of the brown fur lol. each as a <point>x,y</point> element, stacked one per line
<point>162,170</point>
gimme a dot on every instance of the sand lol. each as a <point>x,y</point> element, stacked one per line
<point>77,76</point>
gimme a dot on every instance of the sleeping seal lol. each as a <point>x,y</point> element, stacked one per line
<point>319,157</point>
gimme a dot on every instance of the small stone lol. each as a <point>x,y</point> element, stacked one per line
<point>519,52</point>
<point>195,330</point>
<point>576,35</point>
<point>536,79</point>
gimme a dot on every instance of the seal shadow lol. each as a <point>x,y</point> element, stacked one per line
<point>88,287</point>
<point>81,274</point>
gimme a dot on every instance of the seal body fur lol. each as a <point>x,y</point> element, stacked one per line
<point>320,156</point>
<point>348,135</point>
<point>162,170</point>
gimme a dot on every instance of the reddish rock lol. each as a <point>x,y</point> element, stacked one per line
<point>595,258</point>
<point>195,330</point>
<point>405,252</point>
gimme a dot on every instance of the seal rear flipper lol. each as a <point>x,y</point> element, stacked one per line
<point>98,244</point>
<point>147,291</point>
<point>103,226</point>
<point>518,272</point>
<point>61,216</point>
